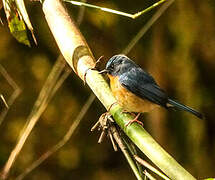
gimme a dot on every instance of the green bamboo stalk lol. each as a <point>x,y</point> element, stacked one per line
<point>78,55</point>
<point>133,151</point>
<point>125,151</point>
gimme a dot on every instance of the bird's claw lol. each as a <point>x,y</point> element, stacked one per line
<point>134,120</point>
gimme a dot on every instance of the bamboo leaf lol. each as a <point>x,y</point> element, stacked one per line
<point>18,30</point>
<point>15,22</point>
<point>21,7</point>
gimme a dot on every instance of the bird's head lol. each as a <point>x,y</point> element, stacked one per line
<point>117,65</point>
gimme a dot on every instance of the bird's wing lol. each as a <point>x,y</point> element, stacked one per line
<point>144,86</point>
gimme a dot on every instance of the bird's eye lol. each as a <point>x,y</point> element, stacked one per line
<point>111,66</point>
<point>120,61</point>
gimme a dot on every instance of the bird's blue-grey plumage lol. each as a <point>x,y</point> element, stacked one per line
<point>141,83</point>
<point>144,86</point>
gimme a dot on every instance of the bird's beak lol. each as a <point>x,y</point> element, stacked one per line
<point>104,71</point>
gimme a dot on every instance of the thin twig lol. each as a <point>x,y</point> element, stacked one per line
<point>4,101</point>
<point>148,175</point>
<point>133,16</point>
<point>38,108</point>
<point>132,150</point>
<point>146,27</point>
<point>14,95</point>
<point>107,126</point>
<point>77,120</point>
<point>61,142</point>
<point>124,149</point>
<point>149,166</point>
<point>81,14</point>
<point>68,69</point>
<point>61,80</point>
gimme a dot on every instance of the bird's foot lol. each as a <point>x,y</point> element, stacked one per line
<point>125,111</point>
<point>134,120</point>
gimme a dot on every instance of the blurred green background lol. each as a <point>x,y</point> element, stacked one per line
<point>178,50</point>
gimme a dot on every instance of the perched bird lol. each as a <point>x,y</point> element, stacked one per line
<point>136,90</point>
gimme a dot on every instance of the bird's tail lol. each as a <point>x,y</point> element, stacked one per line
<point>185,108</point>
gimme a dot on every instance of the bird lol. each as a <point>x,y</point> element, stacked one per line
<point>136,90</point>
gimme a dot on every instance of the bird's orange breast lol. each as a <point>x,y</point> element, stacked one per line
<point>127,99</point>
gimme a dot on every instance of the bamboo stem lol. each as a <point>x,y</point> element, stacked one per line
<point>76,52</point>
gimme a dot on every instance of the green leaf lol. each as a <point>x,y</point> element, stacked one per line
<point>21,7</point>
<point>18,30</point>
<point>15,22</point>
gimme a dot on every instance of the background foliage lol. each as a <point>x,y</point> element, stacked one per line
<point>179,50</point>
